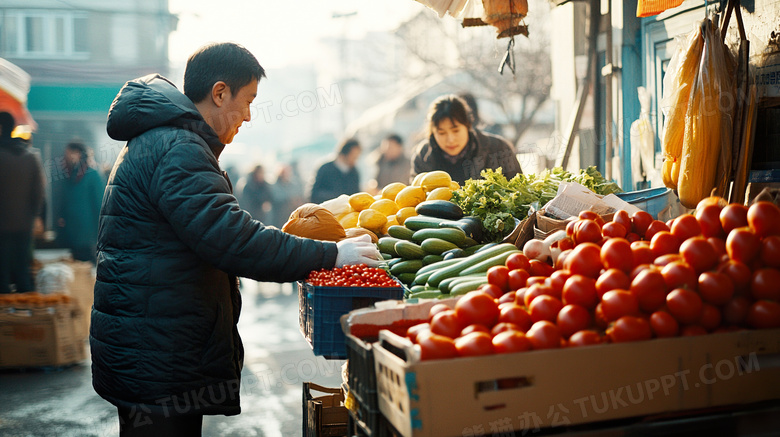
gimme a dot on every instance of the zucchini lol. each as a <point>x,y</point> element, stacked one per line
<point>422,278</point>
<point>464,263</point>
<point>406,266</point>
<point>446,285</point>
<point>437,266</point>
<point>393,261</point>
<point>466,286</point>
<point>417,288</point>
<point>436,246</point>
<point>408,250</point>
<point>406,278</point>
<point>426,294</point>
<point>400,232</point>
<point>439,208</point>
<point>386,256</point>
<point>454,253</point>
<point>387,245</point>
<point>472,226</point>
<point>454,236</point>
<point>483,266</point>
<point>431,259</point>
<point>485,247</point>
<point>468,242</point>
<point>418,222</point>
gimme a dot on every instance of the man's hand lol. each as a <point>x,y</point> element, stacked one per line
<point>357,250</point>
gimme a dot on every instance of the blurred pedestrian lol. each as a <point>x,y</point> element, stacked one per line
<point>172,243</point>
<point>287,194</point>
<point>455,146</point>
<point>21,199</point>
<point>254,195</point>
<point>80,202</point>
<point>339,176</point>
<point>393,165</point>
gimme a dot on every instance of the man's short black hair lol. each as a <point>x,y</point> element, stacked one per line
<point>347,145</point>
<point>227,62</point>
<point>7,124</point>
<point>396,138</point>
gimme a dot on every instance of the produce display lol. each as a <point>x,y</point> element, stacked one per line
<point>33,299</point>
<point>497,202</point>
<point>631,279</point>
<point>351,276</point>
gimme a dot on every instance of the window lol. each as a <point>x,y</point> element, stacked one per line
<point>44,34</point>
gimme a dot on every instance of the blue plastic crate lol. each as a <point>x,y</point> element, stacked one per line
<point>320,308</point>
<point>661,203</point>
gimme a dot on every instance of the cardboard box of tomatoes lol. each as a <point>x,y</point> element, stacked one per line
<point>535,390</point>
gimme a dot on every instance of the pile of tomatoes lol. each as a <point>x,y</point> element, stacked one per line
<point>359,275</point>
<point>631,279</point>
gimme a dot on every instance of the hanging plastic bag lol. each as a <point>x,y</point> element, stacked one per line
<point>643,142</point>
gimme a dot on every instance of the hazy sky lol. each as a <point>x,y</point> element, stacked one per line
<point>279,32</point>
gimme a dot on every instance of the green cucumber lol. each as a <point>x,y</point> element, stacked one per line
<point>483,266</point>
<point>393,261</point>
<point>464,287</point>
<point>446,285</point>
<point>431,259</point>
<point>440,209</point>
<point>406,278</point>
<point>417,287</point>
<point>386,256</point>
<point>426,294</point>
<point>387,245</point>
<point>436,246</point>
<point>406,266</point>
<point>408,250</point>
<point>454,253</point>
<point>418,222</point>
<point>454,236</point>
<point>464,263</point>
<point>400,232</point>
<point>436,266</point>
<point>468,242</point>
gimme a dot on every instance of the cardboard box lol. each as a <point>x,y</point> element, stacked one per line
<point>324,415</point>
<point>535,390</point>
<point>41,337</point>
<point>82,290</point>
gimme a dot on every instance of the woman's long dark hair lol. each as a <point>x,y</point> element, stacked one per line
<point>82,166</point>
<point>449,107</point>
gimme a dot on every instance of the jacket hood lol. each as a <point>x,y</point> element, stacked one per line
<point>153,101</point>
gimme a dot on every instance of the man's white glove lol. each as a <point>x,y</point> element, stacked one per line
<point>357,250</point>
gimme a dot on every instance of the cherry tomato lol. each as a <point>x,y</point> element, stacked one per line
<point>437,308</point>
<point>655,227</point>
<point>699,254</point>
<point>743,245</point>
<point>715,288</point>
<point>709,221</point>
<point>764,218</point>
<point>585,338</point>
<point>474,344</point>
<point>585,259</point>
<point>415,330</point>
<point>664,325</point>
<point>610,280</point>
<point>764,314</point>
<point>477,307</point>
<point>517,278</point>
<point>736,310</point>
<point>539,268</point>
<point>765,284</point>
<point>739,274</point>
<point>474,328</point>
<point>516,314</point>
<point>614,230</point>
<point>518,261</point>
<point>640,221</point>
<point>770,251</point>
<point>685,305</point>
<point>590,215</point>
<point>572,318</point>
<point>649,288</point>
<point>664,243</point>
<point>580,290</point>
<point>436,347</point>
<point>544,308</point>
<point>511,341</point>
<point>618,303</point>
<point>710,317</point>
<point>499,276</point>
<point>544,335</point>
<point>685,227</point>
<point>616,254</point>
<point>733,216</point>
<point>587,231</point>
<point>630,328</point>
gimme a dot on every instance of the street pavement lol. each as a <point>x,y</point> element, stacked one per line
<point>61,402</point>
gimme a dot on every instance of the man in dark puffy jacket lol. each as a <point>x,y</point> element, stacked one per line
<point>172,242</point>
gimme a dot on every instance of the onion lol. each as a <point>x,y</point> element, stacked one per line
<point>536,249</point>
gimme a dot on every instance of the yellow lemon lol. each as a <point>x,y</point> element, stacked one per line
<point>418,178</point>
<point>435,179</point>
<point>454,186</point>
<point>440,193</point>
<point>372,220</point>
<point>360,201</point>
<point>405,213</point>
<point>392,189</point>
<point>391,220</point>
<point>410,196</point>
<point>350,220</point>
<point>385,206</point>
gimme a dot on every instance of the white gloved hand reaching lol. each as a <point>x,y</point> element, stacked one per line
<point>357,250</point>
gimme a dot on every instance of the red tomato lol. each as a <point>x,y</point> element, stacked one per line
<point>770,251</point>
<point>664,243</point>
<point>616,254</point>
<point>436,309</point>
<point>710,317</point>
<point>684,305</point>
<point>678,274</point>
<point>736,310</point>
<point>641,268</point>
<point>685,227</point>
<point>474,328</point>
<point>664,325</point>
<point>715,288</point>
<point>743,245</point>
<point>541,280</point>
<point>499,276</point>
<point>544,308</point>
<point>580,290</point>
<point>643,254</point>
<point>655,227</point>
<point>621,217</point>
<point>572,318</point>
<point>517,278</point>
<point>649,288</point>
<point>415,330</point>
<point>590,215</point>
<point>765,284</point>
<point>633,236</point>
<point>448,324</point>
<point>518,261</point>
<point>618,303</point>
<point>570,228</point>
<point>507,298</point>
<point>614,230</point>
<point>436,347</point>
<point>557,280</point>
<point>709,221</point>
<point>533,292</point>
<point>732,216</point>
<point>640,221</point>
<point>504,326</point>
<point>692,330</point>
<point>764,218</point>
<point>544,335</point>
<point>516,314</point>
<point>739,273</point>
<point>587,231</point>
<point>599,319</point>
<point>493,290</point>
<point>474,344</point>
<point>477,307</point>
<point>719,245</point>
<point>511,341</point>
<point>561,261</point>
<point>610,280</point>
<point>764,314</point>
<point>699,254</point>
<point>630,328</point>
<point>585,338</point>
<point>664,260</point>
<point>539,268</point>
<point>585,259</point>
